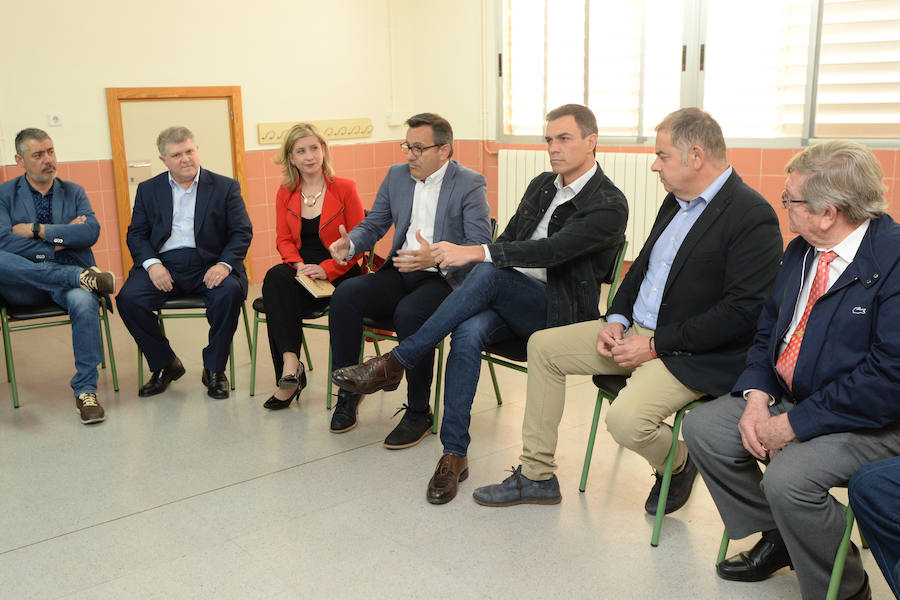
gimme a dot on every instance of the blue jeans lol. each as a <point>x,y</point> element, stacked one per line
<point>27,283</point>
<point>492,305</point>
<point>875,499</point>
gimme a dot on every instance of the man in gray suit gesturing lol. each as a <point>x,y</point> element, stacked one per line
<point>428,199</point>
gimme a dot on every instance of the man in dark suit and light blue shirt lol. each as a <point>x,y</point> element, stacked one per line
<point>428,199</point>
<point>679,325</point>
<point>819,396</point>
<point>189,234</point>
<point>47,228</point>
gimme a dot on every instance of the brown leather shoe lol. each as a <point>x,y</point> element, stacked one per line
<point>451,469</point>
<point>380,373</point>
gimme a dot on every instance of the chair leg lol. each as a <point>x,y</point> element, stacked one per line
<point>837,571</point>
<point>667,478</point>
<point>723,547</point>
<point>140,368</point>
<point>231,363</point>
<point>328,385</point>
<point>590,447</point>
<point>437,387</point>
<point>306,350</point>
<point>112,354</point>
<point>102,350</point>
<point>253,347</point>
<point>10,366</point>
<point>494,381</point>
<point>246,325</point>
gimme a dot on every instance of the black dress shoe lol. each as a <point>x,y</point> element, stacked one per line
<point>344,417</point>
<point>411,429</point>
<point>216,384</point>
<point>274,403</point>
<point>759,563</point>
<point>680,487</point>
<point>161,379</point>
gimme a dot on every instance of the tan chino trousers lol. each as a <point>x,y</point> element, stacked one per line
<point>635,419</point>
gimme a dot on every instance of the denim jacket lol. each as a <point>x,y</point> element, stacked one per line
<point>582,240</point>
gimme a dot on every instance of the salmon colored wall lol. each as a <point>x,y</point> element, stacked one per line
<point>367,164</point>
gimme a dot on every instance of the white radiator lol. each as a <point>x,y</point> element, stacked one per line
<point>630,171</point>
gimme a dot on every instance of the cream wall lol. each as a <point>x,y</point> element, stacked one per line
<point>293,60</point>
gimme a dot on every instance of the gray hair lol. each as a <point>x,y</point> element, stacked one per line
<point>172,135</point>
<point>842,174</point>
<point>29,133</point>
<point>691,127</point>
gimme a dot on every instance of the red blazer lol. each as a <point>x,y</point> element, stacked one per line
<point>341,206</point>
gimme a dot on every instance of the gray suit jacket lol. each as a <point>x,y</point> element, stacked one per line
<point>462,215</point>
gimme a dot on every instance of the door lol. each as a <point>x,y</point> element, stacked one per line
<point>137,115</point>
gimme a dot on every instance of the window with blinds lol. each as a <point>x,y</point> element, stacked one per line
<point>858,93</point>
<point>764,69</point>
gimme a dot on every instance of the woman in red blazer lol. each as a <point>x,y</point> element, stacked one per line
<point>309,207</point>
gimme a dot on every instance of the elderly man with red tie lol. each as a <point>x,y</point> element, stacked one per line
<point>819,396</point>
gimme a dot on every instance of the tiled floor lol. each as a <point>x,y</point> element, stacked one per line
<point>183,496</point>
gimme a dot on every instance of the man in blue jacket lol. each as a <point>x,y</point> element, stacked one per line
<point>189,234</point>
<point>818,398</point>
<point>544,270</point>
<point>429,198</point>
<point>47,228</point>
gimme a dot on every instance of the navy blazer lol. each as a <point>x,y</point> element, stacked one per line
<point>462,216</point>
<point>69,201</point>
<point>719,280</point>
<point>222,228</point>
<point>848,369</point>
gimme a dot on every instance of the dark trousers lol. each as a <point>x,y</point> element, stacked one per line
<point>287,302</point>
<point>139,298</point>
<point>406,298</point>
<point>875,498</point>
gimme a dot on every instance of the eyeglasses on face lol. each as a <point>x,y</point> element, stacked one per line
<point>786,199</point>
<point>416,149</point>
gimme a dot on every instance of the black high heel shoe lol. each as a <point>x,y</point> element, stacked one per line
<point>293,380</point>
<point>297,381</point>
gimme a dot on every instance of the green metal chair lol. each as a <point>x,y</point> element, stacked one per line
<point>259,308</point>
<point>608,387</point>
<point>840,558</point>
<point>10,313</point>
<point>512,353</point>
<point>191,302</point>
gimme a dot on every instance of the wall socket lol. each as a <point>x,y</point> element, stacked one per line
<point>54,119</point>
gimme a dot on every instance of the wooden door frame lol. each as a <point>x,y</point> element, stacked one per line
<point>114,99</point>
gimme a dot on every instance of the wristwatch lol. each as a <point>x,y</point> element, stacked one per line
<point>36,231</point>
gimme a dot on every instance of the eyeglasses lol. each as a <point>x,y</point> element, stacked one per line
<point>786,199</point>
<point>416,149</point>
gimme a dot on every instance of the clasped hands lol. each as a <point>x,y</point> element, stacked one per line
<point>762,434</point>
<point>628,353</point>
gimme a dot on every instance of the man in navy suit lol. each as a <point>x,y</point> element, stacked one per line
<point>427,199</point>
<point>47,228</point>
<point>818,397</point>
<point>189,234</point>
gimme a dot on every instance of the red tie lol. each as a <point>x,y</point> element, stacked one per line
<point>788,359</point>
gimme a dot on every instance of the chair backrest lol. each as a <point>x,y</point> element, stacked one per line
<point>612,277</point>
<point>493,229</point>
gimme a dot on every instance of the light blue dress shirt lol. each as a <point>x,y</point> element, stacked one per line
<point>646,307</point>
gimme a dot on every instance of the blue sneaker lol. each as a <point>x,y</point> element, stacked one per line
<point>518,489</point>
